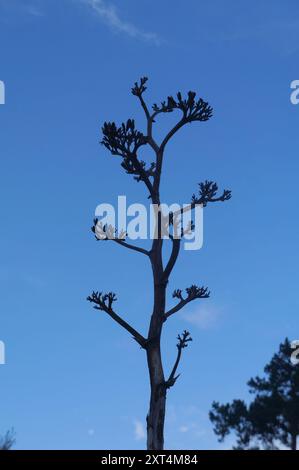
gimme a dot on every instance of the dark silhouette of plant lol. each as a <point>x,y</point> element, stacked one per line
<point>272,418</point>
<point>8,440</point>
<point>125,141</point>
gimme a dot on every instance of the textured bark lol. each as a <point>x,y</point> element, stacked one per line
<point>156,413</point>
<point>294,442</point>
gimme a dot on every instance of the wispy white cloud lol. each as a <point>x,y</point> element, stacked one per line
<point>109,15</point>
<point>183,428</point>
<point>33,10</point>
<point>139,430</point>
<point>8,274</point>
<point>192,427</point>
<point>105,10</point>
<point>188,425</point>
<point>22,7</point>
<point>204,317</point>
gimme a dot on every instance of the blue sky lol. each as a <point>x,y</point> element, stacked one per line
<point>73,378</point>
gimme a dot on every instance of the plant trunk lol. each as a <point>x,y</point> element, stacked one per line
<point>294,442</point>
<point>156,414</point>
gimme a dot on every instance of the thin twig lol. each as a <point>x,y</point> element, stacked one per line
<point>104,302</point>
<point>130,246</point>
<point>184,339</point>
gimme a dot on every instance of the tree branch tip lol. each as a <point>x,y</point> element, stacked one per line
<point>184,339</point>
<point>102,301</point>
<point>208,193</point>
<point>193,110</point>
<point>139,87</point>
